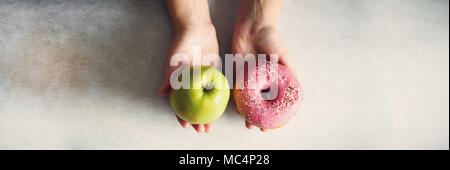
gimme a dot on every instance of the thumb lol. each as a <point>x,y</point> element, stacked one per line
<point>164,90</point>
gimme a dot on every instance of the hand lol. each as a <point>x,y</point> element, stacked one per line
<point>261,41</point>
<point>184,41</point>
<point>256,33</point>
<point>193,28</point>
<point>265,40</point>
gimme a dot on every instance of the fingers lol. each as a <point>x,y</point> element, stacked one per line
<point>202,127</point>
<point>164,90</point>
<point>183,123</point>
<point>166,87</point>
<point>198,127</point>
<point>248,125</point>
<point>208,128</point>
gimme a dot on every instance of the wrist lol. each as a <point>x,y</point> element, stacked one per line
<point>250,28</point>
<point>254,26</point>
<point>184,27</point>
<point>193,29</point>
<point>255,15</point>
<point>189,14</point>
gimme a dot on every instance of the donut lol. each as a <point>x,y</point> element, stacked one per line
<point>254,102</point>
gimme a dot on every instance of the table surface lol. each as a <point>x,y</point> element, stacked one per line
<point>85,75</point>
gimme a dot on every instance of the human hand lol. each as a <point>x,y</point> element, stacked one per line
<point>256,33</point>
<point>184,43</point>
<point>193,28</point>
<point>262,41</point>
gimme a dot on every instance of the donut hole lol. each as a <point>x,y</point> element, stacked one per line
<point>266,90</point>
<point>269,94</point>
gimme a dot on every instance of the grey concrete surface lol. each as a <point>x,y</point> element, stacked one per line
<point>84,75</point>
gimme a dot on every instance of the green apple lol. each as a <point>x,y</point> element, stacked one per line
<point>205,99</point>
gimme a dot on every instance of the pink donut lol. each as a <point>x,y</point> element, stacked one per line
<point>268,114</point>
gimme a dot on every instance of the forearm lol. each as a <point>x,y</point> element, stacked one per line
<point>189,13</point>
<point>255,14</point>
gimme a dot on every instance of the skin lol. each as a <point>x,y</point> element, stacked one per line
<point>193,27</point>
<point>255,33</point>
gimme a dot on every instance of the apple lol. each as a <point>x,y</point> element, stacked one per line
<point>205,99</point>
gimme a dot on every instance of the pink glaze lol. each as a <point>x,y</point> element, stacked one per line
<point>269,114</point>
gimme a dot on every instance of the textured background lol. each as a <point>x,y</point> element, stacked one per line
<point>84,75</point>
